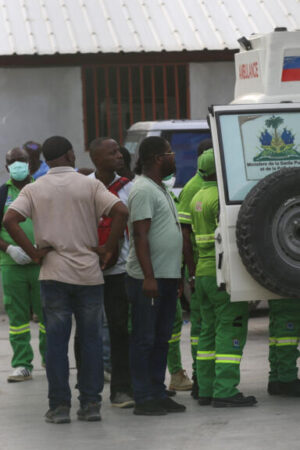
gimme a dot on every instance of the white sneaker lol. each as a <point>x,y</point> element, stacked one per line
<point>20,374</point>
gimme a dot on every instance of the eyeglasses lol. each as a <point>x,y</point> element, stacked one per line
<point>167,153</point>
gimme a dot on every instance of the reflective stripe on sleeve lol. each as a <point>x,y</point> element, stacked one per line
<point>272,341</point>
<point>184,217</point>
<point>228,359</point>
<point>206,356</point>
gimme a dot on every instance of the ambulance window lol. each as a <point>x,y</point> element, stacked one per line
<point>185,144</point>
<point>255,144</point>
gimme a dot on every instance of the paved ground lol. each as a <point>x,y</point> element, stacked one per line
<point>272,424</point>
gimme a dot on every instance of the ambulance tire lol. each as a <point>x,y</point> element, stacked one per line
<point>268,232</point>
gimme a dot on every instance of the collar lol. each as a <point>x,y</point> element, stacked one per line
<point>207,184</point>
<point>61,169</point>
<point>153,182</point>
<point>10,182</point>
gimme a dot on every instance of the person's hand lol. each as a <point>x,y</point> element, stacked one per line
<point>18,255</point>
<point>180,287</point>
<point>192,283</point>
<point>150,287</point>
<point>40,253</point>
<point>108,258</point>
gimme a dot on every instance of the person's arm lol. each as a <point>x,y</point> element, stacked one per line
<point>108,252</point>
<point>142,249</point>
<point>188,253</point>
<point>11,222</point>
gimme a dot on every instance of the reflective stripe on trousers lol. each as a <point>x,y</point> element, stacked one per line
<point>228,359</point>
<point>206,355</point>
<point>25,328</point>
<point>175,338</point>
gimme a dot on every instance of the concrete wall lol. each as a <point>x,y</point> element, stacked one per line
<point>210,83</point>
<point>36,103</point>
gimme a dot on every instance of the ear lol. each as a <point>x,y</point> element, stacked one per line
<point>71,156</point>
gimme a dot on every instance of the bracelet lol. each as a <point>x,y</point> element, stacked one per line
<point>192,278</point>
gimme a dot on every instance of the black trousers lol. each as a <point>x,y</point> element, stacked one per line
<point>116,307</point>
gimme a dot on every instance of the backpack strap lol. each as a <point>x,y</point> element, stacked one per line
<point>3,197</point>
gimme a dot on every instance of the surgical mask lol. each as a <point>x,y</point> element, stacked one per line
<point>169,181</point>
<point>19,170</point>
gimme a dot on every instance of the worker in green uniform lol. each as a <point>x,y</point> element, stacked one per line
<point>185,197</point>
<point>180,380</point>
<point>284,335</point>
<point>20,283</point>
<point>224,324</point>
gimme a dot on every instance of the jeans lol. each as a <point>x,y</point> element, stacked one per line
<point>116,309</point>
<point>59,301</point>
<point>152,323</point>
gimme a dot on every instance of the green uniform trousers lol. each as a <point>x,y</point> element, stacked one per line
<point>284,335</point>
<point>221,341</point>
<point>21,290</point>
<point>174,354</point>
<point>195,318</point>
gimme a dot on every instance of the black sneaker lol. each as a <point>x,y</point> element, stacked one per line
<point>170,405</point>
<point>274,388</point>
<point>195,388</point>
<point>149,408</point>
<point>89,412</point>
<point>60,414</point>
<point>204,401</point>
<point>290,388</point>
<point>237,400</point>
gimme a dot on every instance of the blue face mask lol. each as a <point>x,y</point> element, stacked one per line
<point>19,170</point>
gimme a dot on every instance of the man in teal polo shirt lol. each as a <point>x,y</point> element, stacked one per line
<point>20,276</point>
<point>153,268</point>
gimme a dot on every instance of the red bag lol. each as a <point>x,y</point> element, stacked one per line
<point>104,226</point>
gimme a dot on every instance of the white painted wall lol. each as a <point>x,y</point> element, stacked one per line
<point>36,103</point>
<point>211,83</point>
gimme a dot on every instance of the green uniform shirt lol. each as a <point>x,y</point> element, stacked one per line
<point>204,210</point>
<point>147,200</point>
<point>190,189</point>
<point>26,226</point>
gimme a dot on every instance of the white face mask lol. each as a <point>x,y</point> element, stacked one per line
<point>169,181</point>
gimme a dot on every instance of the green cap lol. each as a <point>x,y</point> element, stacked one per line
<point>206,163</point>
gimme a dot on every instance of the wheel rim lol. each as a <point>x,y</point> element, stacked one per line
<point>286,231</point>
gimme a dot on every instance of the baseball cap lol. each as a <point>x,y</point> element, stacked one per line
<point>206,163</point>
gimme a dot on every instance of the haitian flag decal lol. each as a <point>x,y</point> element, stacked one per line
<point>291,68</point>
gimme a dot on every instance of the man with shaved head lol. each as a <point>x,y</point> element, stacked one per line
<point>19,274</point>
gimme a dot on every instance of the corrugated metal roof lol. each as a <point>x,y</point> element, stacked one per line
<point>46,27</point>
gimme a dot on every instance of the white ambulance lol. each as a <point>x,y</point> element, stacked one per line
<point>257,152</point>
